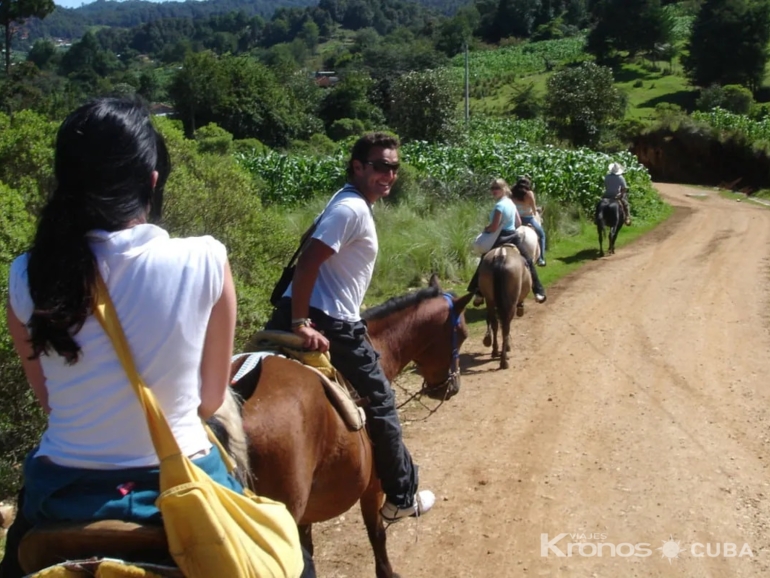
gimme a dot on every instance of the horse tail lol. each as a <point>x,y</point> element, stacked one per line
<point>599,214</point>
<point>227,425</point>
<point>499,274</point>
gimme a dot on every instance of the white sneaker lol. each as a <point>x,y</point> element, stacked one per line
<point>540,298</point>
<point>423,502</point>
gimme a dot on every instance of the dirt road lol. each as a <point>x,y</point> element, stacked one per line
<point>635,419</point>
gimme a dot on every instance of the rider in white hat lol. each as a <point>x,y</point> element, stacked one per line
<point>614,185</point>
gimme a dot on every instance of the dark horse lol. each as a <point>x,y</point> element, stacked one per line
<point>609,213</point>
<point>301,452</point>
<point>504,281</point>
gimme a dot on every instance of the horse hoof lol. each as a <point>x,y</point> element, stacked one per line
<point>519,310</point>
<point>487,341</point>
<point>504,365</point>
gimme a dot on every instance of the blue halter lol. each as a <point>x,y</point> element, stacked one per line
<point>454,367</point>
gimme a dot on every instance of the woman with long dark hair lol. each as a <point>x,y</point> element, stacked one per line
<point>176,302</point>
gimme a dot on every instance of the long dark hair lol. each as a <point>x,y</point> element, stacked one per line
<point>106,152</point>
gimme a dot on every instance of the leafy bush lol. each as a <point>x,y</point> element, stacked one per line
<point>247,146</point>
<point>425,106</point>
<point>737,99</point>
<point>21,420</point>
<point>710,98</point>
<point>345,127</point>
<point>214,139</point>
<point>582,102</point>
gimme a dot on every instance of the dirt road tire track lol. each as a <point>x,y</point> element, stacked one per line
<point>637,407</point>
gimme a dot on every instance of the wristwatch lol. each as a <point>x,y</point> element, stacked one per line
<point>301,322</point>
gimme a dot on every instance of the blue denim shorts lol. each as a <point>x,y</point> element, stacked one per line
<point>58,493</point>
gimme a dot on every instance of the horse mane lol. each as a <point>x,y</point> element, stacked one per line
<point>227,425</point>
<point>400,303</point>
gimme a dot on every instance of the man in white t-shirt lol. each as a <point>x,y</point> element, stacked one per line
<point>330,281</point>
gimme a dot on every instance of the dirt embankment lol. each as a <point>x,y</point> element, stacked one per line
<point>690,156</point>
<point>635,421</point>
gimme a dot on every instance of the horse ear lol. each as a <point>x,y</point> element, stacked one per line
<point>434,282</point>
<point>462,302</point>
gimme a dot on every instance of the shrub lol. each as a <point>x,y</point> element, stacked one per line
<point>737,99</point>
<point>710,98</point>
<point>247,146</point>
<point>21,419</point>
<point>345,127</point>
<point>214,139</point>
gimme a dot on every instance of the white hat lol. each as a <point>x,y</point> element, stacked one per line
<point>616,169</point>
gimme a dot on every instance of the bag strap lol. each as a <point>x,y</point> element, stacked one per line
<point>162,437</point>
<point>303,240</point>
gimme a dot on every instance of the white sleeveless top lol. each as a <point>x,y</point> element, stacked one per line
<point>163,290</point>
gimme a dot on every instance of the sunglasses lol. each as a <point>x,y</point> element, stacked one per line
<point>383,166</point>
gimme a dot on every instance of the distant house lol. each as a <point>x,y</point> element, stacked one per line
<point>162,109</point>
<point>326,78</point>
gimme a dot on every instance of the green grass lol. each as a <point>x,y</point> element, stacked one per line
<point>2,548</point>
<point>653,87</point>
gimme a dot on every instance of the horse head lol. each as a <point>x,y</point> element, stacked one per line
<point>439,362</point>
<point>426,327</point>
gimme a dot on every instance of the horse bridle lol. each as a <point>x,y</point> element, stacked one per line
<point>454,366</point>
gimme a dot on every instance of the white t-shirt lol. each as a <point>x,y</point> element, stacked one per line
<point>347,227</point>
<point>163,290</point>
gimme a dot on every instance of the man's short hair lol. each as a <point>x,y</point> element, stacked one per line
<point>362,147</point>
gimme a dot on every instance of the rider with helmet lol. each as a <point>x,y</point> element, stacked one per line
<point>615,187</point>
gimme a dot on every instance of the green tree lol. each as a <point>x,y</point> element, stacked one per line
<point>43,54</point>
<point>149,85</point>
<point>582,102</point>
<point>17,11</point>
<point>729,42</point>
<point>196,89</point>
<point>425,106</point>
<point>349,99</point>
<point>455,32</point>
<point>635,26</point>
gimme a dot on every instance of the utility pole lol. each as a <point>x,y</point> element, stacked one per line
<point>467,85</point>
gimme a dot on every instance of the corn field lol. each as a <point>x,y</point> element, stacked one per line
<point>492,148</point>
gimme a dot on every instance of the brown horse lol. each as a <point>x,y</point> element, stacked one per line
<point>301,452</point>
<point>504,281</point>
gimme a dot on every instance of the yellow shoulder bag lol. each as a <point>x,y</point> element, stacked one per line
<point>211,530</point>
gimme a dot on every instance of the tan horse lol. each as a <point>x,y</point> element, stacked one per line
<point>504,281</point>
<point>301,452</point>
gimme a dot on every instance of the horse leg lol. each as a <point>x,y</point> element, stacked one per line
<point>600,230</point>
<point>613,236</point>
<point>492,324</point>
<point>506,337</point>
<point>488,335</point>
<point>371,501</point>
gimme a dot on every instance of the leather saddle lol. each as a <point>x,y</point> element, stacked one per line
<point>339,391</point>
<point>51,544</point>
